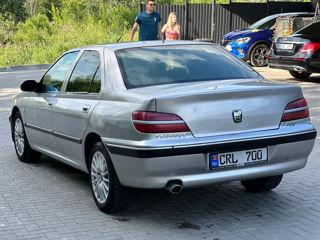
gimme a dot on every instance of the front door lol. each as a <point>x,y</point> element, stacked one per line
<point>38,106</point>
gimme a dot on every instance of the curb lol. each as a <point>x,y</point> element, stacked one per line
<point>25,67</point>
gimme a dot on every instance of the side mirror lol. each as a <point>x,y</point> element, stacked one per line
<point>30,86</point>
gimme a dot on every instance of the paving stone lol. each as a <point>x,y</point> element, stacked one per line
<point>49,200</point>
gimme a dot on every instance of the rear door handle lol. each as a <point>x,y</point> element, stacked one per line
<point>50,105</point>
<point>86,108</point>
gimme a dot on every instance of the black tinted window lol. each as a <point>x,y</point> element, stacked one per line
<point>313,28</point>
<point>268,24</point>
<point>53,79</point>
<point>262,22</point>
<point>184,63</point>
<point>84,72</point>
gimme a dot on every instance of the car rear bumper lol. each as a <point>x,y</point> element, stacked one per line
<point>293,67</point>
<point>292,64</point>
<point>289,67</point>
<point>154,168</point>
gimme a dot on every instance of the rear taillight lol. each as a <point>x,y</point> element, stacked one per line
<point>296,110</point>
<point>154,122</point>
<point>310,47</point>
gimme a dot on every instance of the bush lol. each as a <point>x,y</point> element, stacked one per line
<point>7,30</point>
<point>40,40</point>
<point>35,30</point>
<point>74,10</point>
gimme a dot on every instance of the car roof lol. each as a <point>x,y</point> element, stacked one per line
<point>126,45</point>
<point>292,13</point>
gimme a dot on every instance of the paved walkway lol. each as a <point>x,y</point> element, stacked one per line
<point>50,200</point>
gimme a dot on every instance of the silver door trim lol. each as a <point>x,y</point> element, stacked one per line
<point>67,137</point>
<point>56,134</point>
<point>44,130</point>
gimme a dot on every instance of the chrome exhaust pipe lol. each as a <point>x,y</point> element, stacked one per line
<point>175,187</point>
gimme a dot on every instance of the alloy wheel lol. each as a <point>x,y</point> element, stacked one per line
<point>260,56</point>
<point>19,136</point>
<point>100,177</point>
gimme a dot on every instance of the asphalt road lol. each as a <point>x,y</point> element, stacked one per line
<point>49,200</point>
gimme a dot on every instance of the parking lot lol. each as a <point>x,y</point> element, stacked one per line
<point>49,200</point>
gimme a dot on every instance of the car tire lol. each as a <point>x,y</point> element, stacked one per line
<point>299,75</point>
<point>21,144</point>
<point>107,191</point>
<point>258,55</point>
<point>262,184</point>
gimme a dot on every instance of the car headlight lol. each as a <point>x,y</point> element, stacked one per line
<point>243,40</point>
<point>228,48</point>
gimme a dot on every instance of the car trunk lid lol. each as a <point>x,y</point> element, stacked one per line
<point>210,109</point>
<point>288,46</point>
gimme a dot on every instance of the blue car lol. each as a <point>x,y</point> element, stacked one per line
<point>252,44</point>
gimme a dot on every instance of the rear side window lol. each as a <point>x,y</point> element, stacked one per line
<point>149,66</point>
<point>53,79</point>
<point>96,82</point>
<point>86,74</point>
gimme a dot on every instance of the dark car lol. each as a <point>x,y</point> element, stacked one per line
<point>299,53</point>
<point>253,43</point>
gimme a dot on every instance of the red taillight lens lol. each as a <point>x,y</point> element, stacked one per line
<point>296,110</point>
<point>154,122</point>
<point>300,59</point>
<point>310,47</point>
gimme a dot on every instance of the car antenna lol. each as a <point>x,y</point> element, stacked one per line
<point>120,37</point>
<point>162,38</point>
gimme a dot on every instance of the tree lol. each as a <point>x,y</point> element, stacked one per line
<point>14,9</point>
<point>45,7</point>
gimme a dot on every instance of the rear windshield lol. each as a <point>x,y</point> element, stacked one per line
<point>149,66</point>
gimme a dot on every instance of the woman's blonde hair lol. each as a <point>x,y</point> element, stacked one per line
<point>169,22</point>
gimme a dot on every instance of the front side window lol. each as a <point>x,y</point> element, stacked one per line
<point>147,66</point>
<point>86,74</point>
<point>264,23</point>
<point>53,79</point>
<point>268,24</point>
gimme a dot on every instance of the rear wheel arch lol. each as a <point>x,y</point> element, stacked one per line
<point>90,140</point>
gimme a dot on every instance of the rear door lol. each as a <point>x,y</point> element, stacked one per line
<point>73,107</point>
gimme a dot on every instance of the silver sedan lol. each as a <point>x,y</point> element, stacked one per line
<point>162,115</point>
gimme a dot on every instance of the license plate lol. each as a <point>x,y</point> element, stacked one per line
<point>285,46</point>
<point>238,159</point>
